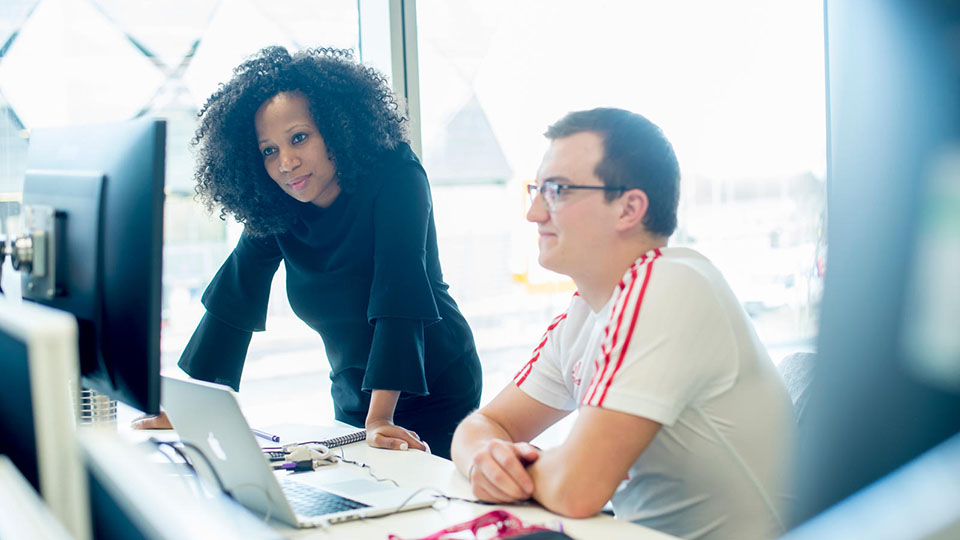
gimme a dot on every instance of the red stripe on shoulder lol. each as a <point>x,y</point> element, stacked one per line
<point>601,373</point>
<point>528,367</point>
<point>633,324</point>
<point>633,271</point>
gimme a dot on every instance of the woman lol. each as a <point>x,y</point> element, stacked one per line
<point>308,151</point>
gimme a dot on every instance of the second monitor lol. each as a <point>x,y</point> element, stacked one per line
<point>104,187</point>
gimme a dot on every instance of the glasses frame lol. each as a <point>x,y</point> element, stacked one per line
<point>552,191</point>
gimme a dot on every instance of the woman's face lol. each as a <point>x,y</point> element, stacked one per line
<point>293,151</point>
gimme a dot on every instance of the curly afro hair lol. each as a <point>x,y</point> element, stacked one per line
<point>352,105</point>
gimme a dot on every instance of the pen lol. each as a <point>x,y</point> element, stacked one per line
<point>265,435</point>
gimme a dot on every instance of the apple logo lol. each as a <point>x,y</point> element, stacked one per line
<point>215,447</point>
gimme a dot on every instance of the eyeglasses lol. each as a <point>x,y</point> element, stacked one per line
<point>552,191</point>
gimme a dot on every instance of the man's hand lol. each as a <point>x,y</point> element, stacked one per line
<point>384,434</point>
<point>489,446</point>
<point>498,471</point>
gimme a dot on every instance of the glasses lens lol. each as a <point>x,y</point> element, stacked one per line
<point>532,191</point>
<point>550,192</point>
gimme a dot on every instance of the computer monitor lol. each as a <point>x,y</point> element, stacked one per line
<point>918,501</point>
<point>22,512</point>
<point>133,495</point>
<point>105,183</point>
<point>38,407</point>
<point>886,385</point>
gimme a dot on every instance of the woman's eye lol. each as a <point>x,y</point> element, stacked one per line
<point>268,151</point>
<point>299,137</point>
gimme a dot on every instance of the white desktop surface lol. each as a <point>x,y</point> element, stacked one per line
<point>415,469</point>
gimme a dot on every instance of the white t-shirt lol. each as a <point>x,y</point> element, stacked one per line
<point>674,345</point>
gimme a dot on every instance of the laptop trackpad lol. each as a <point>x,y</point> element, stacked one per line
<point>357,487</point>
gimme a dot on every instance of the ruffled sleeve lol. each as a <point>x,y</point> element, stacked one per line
<point>236,302</point>
<point>216,352</point>
<point>403,218</point>
<point>396,357</point>
<point>401,296</point>
<point>238,294</point>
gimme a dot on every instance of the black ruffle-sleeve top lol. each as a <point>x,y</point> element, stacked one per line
<point>365,274</point>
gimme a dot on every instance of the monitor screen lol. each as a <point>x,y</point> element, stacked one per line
<point>886,386</point>
<point>38,407</point>
<point>106,184</point>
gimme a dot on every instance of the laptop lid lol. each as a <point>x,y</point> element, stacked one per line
<point>208,416</point>
<point>133,496</point>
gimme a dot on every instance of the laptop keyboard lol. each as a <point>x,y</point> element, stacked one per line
<point>309,501</point>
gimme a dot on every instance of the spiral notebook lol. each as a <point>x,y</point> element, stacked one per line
<point>334,442</point>
<point>329,436</point>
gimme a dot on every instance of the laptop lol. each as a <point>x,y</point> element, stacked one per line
<point>208,416</point>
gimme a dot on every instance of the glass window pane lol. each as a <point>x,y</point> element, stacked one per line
<point>78,62</point>
<point>738,87</point>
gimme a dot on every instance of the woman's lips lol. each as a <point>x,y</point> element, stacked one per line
<point>299,183</point>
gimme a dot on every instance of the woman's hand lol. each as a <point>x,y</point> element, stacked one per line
<point>150,421</point>
<point>381,431</point>
<point>384,434</point>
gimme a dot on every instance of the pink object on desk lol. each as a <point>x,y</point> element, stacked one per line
<point>507,526</point>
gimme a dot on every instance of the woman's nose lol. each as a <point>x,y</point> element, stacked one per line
<point>288,161</point>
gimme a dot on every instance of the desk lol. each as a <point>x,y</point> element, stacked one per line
<point>415,469</point>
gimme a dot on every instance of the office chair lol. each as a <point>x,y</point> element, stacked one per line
<point>797,373</point>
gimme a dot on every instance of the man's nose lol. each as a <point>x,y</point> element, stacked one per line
<point>537,213</point>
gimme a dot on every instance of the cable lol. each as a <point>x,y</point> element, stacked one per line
<point>366,467</point>
<point>474,501</point>
<point>223,488</point>
<point>439,493</point>
<point>186,463</point>
<point>406,501</point>
<point>213,470</point>
<point>193,468</point>
<point>270,501</point>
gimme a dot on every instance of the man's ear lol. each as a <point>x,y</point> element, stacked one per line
<point>634,206</point>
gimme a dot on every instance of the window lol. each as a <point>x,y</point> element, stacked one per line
<point>738,87</point>
<point>80,62</point>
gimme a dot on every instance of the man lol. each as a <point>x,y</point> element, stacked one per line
<point>683,421</point>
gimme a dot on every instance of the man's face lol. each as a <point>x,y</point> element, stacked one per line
<point>576,233</point>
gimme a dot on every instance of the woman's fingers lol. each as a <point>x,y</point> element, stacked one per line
<point>394,438</point>
<point>149,421</point>
<point>390,443</point>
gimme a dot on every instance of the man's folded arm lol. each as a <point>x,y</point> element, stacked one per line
<point>577,478</point>
<point>490,446</point>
